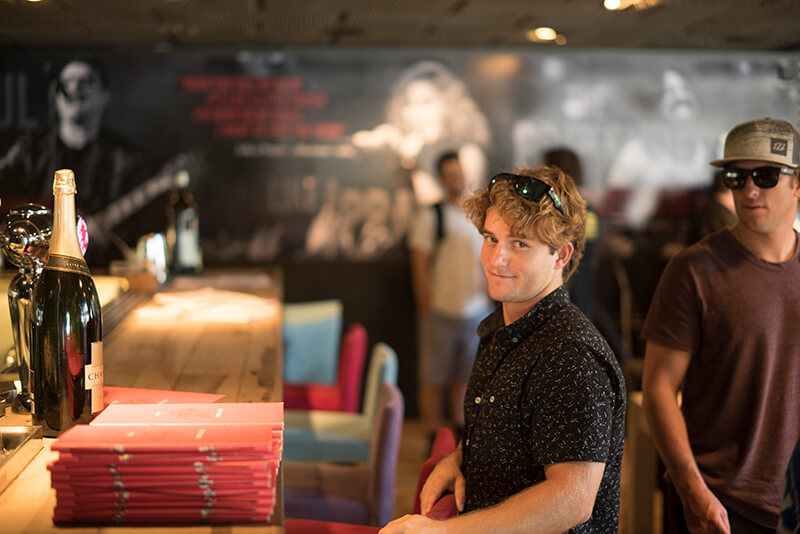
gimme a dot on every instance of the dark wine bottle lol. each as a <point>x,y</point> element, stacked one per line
<point>183,232</point>
<point>67,337</point>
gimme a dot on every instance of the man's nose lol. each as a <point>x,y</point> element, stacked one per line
<point>750,187</point>
<point>499,255</point>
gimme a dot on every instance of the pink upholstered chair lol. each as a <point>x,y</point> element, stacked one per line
<point>313,526</point>
<point>345,395</point>
<point>443,444</point>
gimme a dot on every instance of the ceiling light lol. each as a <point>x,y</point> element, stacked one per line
<point>545,33</point>
<point>619,5</point>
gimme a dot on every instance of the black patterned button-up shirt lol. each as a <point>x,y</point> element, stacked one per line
<point>545,389</point>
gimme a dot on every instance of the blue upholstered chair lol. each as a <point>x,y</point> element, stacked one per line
<point>345,395</point>
<point>362,493</point>
<point>311,335</point>
<point>317,435</point>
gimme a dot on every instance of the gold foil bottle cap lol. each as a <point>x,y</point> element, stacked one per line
<point>64,182</point>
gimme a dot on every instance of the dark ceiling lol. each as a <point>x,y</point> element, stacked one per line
<point>704,24</point>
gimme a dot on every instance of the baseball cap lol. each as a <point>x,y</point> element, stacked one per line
<point>771,140</point>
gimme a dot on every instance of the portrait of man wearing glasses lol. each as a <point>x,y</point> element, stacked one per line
<point>105,165</point>
<point>545,404</point>
<point>722,328</point>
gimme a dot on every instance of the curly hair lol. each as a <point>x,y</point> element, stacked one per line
<point>540,220</point>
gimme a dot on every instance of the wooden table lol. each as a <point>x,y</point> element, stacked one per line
<point>641,493</point>
<point>241,361</point>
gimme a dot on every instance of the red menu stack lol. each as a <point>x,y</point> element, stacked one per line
<point>170,463</point>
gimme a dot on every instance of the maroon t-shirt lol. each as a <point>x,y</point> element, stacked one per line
<point>737,316</point>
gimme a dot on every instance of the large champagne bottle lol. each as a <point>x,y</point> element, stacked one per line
<point>183,232</point>
<point>67,351</point>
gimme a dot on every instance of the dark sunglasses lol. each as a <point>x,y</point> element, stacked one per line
<point>78,88</point>
<point>764,177</point>
<point>529,188</point>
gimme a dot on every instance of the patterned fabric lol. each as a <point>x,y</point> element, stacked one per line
<point>545,389</point>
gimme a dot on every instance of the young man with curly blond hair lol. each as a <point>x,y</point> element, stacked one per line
<point>545,404</point>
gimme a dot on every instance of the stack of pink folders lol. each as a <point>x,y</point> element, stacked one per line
<point>170,463</point>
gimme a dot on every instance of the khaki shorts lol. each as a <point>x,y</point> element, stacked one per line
<point>447,349</point>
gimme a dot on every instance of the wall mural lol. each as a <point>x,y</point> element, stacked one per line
<point>326,154</point>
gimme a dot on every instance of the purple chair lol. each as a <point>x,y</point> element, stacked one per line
<point>361,494</point>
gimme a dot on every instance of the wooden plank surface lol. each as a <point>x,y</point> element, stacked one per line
<point>241,361</point>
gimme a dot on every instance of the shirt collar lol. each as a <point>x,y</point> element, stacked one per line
<point>528,323</point>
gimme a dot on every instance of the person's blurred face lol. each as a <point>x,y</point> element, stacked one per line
<point>423,113</point>
<point>80,102</point>
<point>677,101</point>
<point>452,177</point>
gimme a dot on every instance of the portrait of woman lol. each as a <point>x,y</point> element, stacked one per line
<point>429,112</point>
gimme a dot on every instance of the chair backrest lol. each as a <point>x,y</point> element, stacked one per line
<point>443,444</point>
<point>382,368</point>
<point>352,355</point>
<point>311,335</point>
<point>384,449</point>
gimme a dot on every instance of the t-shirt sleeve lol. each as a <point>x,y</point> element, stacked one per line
<point>421,235</point>
<point>672,320</point>
<point>572,412</point>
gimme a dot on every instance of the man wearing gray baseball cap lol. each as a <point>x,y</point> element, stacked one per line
<point>722,327</point>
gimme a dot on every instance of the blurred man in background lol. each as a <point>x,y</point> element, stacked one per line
<point>721,327</point>
<point>450,294</point>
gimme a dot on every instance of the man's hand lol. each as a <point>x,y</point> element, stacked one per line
<point>445,476</point>
<point>705,514</point>
<point>413,523</point>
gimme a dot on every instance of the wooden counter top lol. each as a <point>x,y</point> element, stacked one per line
<point>240,360</point>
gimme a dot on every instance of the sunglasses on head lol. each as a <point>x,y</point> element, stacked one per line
<point>764,177</point>
<point>529,188</point>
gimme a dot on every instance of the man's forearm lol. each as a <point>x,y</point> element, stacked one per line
<point>668,428</point>
<point>421,279</point>
<point>552,506</point>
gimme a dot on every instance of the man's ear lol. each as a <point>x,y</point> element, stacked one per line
<point>563,255</point>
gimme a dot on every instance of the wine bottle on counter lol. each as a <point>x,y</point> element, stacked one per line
<point>67,348</point>
<point>183,232</point>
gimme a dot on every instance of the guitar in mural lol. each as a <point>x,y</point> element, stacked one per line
<point>101,224</point>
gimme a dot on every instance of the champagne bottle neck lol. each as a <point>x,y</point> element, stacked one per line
<point>64,241</point>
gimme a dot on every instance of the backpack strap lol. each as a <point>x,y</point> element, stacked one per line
<point>438,209</point>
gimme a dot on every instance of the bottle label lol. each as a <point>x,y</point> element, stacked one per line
<point>83,234</point>
<point>188,237</point>
<point>67,264</point>
<point>94,376</point>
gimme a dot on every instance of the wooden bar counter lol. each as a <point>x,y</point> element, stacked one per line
<point>240,360</point>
